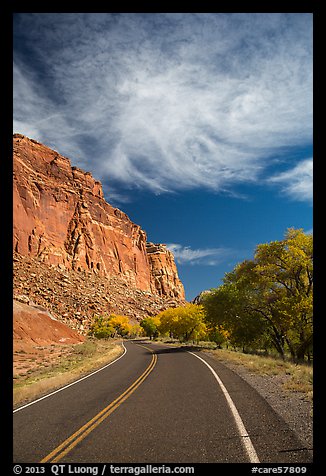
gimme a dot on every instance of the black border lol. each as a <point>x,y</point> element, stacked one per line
<point>6,14</point>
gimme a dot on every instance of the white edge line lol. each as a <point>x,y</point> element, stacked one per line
<point>72,383</point>
<point>249,447</point>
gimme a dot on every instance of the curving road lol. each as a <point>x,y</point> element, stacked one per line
<point>156,404</point>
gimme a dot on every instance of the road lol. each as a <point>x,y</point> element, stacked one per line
<point>156,404</point>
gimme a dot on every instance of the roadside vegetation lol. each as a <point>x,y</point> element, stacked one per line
<point>261,317</point>
<point>264,305</point>
<point>267,303</point>
<point>113,325</point>
<point>293,377</point>
<point>78,361</point>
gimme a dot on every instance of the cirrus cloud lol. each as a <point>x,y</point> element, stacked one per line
<point>203,256</point>
<point>166,101</point>
<point>297,182</point>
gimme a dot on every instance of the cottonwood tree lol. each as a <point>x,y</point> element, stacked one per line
<point>184,322</point>
<point>286,268</point>
<point>228,307</point>
<point>110,326</point>
<point>269,297</point>
<point>150,327</point>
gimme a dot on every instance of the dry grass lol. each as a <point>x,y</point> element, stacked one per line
<point>83,359</point>
<point>297,377</point>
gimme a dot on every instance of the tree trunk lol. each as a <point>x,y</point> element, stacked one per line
<point>278,343</point>
<point>291,349</point>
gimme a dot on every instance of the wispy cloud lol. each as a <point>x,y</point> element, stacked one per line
<point>166,101</point>
<point>297,182</point>
<point>203,256</point>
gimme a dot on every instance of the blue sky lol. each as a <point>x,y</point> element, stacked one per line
<point>198,125</point>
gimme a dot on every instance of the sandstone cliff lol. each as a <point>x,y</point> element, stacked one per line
<point>163,270</point>
<point>61,217</point>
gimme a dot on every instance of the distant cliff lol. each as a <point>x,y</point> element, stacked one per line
<point>199,298</point>
<point>61,217</point>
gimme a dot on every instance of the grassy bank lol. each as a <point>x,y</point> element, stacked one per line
<point>296,377</point>
<point>83,359</point>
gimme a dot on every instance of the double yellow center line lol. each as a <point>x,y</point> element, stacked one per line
<point>64,448</point>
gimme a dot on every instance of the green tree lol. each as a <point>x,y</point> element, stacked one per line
<point>286,267</point>
<point>217,333</point>
<point>150,327</point>
<point>269,297</point>
<point>230,307</point>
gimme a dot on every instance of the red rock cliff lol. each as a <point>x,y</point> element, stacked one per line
<point>163,269</point>
<point>61,216</point>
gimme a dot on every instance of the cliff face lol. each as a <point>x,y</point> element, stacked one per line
<point>61,217</point>
<point>163,270</point>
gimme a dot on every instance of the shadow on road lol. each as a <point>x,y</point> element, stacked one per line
<point>168,350</point>
<point>171,350</point>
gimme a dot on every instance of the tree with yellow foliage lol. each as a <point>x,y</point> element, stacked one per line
<point>136,330</point>
<point>286,271</point>
<point>269,297</point>
<point>110,326</point>
<point>184,322</point>
<point>120,324</point>
<point>150,326</point>
<point>217,334</point>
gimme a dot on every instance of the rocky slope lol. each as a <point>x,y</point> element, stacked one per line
<point>39,339</point>
<point>62,218</point>
<point>34,325</point>
<point>75,297</point>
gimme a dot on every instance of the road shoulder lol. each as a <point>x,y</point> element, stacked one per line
<point>292,407</point>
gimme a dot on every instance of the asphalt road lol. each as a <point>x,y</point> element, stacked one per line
<point>156,404</point>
